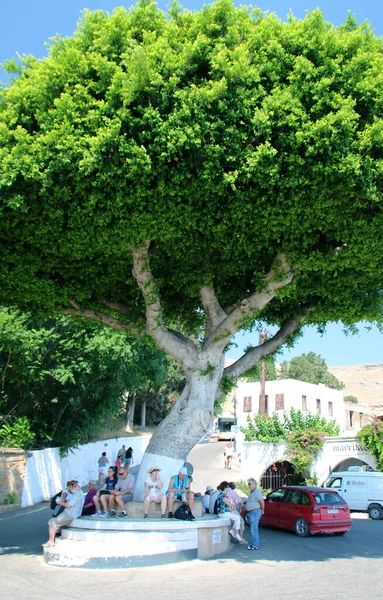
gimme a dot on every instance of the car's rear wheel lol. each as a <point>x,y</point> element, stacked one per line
<point>375,511</point>
<point>302,528</point>
<point>339,532</point>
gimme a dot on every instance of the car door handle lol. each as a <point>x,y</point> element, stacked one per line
<point>296,508</point>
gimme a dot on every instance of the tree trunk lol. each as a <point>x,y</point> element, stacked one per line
<point>180,431</point>
<point>130,419</point>
<point>143,414</point>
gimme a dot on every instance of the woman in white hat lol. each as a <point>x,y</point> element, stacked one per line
<point>154,491</point>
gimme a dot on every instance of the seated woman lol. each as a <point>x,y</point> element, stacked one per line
<point>226,508</point>
<point>104,493</point>
<point>154,491</point>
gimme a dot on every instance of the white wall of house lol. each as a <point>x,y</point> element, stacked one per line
<point>47,473</point>
<point>284,394</point>
<point>257,456</point>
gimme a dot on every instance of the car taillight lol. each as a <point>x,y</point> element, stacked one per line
<point>315,509</point>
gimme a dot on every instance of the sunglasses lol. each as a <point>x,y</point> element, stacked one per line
<point>121,472</point>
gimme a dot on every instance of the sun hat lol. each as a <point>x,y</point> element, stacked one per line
<point>183,471</point>
<point>154,468</point>
<point>209,489</point>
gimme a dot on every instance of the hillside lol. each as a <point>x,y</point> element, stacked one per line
<point>363,381</point>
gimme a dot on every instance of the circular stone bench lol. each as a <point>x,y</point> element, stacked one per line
<point>110,543</point>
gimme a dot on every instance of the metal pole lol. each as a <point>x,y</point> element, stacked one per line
<point>262,404</point>
<point>235,402</point>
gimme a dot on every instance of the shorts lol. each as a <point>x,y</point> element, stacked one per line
<point>105,493</point>
<point>61,520</point>
<point>102,470</point>
<point>127,497</point>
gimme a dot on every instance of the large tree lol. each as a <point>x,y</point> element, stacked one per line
<point>212,170</point>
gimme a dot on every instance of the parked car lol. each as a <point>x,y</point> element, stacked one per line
<point>307,510</point>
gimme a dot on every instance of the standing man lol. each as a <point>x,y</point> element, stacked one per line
<point>122,492</point>
<point>72,504</point>
<point>255,508</point>
<point>179,489</point>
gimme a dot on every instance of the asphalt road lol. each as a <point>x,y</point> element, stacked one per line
<point>315,568</point>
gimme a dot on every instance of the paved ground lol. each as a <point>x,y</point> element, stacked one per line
<point>286,567</point>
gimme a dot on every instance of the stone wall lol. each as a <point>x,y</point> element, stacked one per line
<point>13,465</point>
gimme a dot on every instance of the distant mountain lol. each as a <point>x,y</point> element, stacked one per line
<point>365,382</point>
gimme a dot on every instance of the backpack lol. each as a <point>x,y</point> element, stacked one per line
<point>53,504</point>
<point>213,498</point>
<point>216,507</point>
<point>184,513</point>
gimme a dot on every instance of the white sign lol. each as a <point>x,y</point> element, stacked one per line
<point>234,428</point>
<point>216,536</point>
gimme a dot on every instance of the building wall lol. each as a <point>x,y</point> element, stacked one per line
<point>293,391</point>
<point>257,456</point>
<point>12,474</point>
<point>47,473</point>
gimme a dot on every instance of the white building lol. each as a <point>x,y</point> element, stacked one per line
<point>283,394</point>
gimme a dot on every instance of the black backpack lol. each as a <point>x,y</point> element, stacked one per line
<point>216,507</point>
<point>184,513</point>
<point>53,500</point>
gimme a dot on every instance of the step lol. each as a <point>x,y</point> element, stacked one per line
<point>125,543</point>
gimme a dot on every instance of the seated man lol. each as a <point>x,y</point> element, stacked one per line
<point>122,492</point>
<point>72,504</point>
<point>179,489</point>
<point>89,507</point>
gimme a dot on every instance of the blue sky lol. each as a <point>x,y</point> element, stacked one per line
<point>25,26</point>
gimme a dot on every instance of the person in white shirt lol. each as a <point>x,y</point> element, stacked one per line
<point>154,491</point>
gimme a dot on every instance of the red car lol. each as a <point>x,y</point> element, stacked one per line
<point>307,510</point>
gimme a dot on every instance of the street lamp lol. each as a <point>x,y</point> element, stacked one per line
<point>235,404</point>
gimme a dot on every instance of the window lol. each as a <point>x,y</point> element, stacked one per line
<point>276,496</point>
<point>279,401</point>
<point>361,419</point>
<point>351,418</point>
<point>247,404</point>
<point>330,410</point>
<point>318,406</point>
<point>293,497</point>
<point>304,403</point>
<point>266,403</point>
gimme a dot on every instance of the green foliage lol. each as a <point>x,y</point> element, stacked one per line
<point>270,429</point>
<point>353,399</point>
<point>254,374</point>
<point>303,432</point>
<point>371,436</point>
<point>63,379</point>
<point>160,395</point>
<point>224,136</point>
<point>264,429</point>
<point>304,447</point>
<point>10,498</point>
<point>312,368</point>
<point>16,433</point>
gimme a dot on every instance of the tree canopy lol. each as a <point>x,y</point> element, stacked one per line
<point>65,379</point>
<point>312,368</point>
<point>225,137</point>
<point>214,169</point>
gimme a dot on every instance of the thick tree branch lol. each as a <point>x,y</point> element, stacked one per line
<point>278,277</point>
<point>178,346</point>
<point>214,311</point>
<point>254,355</point>
<point>96,315</point>
<point>117,306</point>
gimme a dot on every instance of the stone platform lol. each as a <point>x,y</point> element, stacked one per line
<point>106,543</point>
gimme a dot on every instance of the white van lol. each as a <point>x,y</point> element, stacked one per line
<point>363,490</point>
